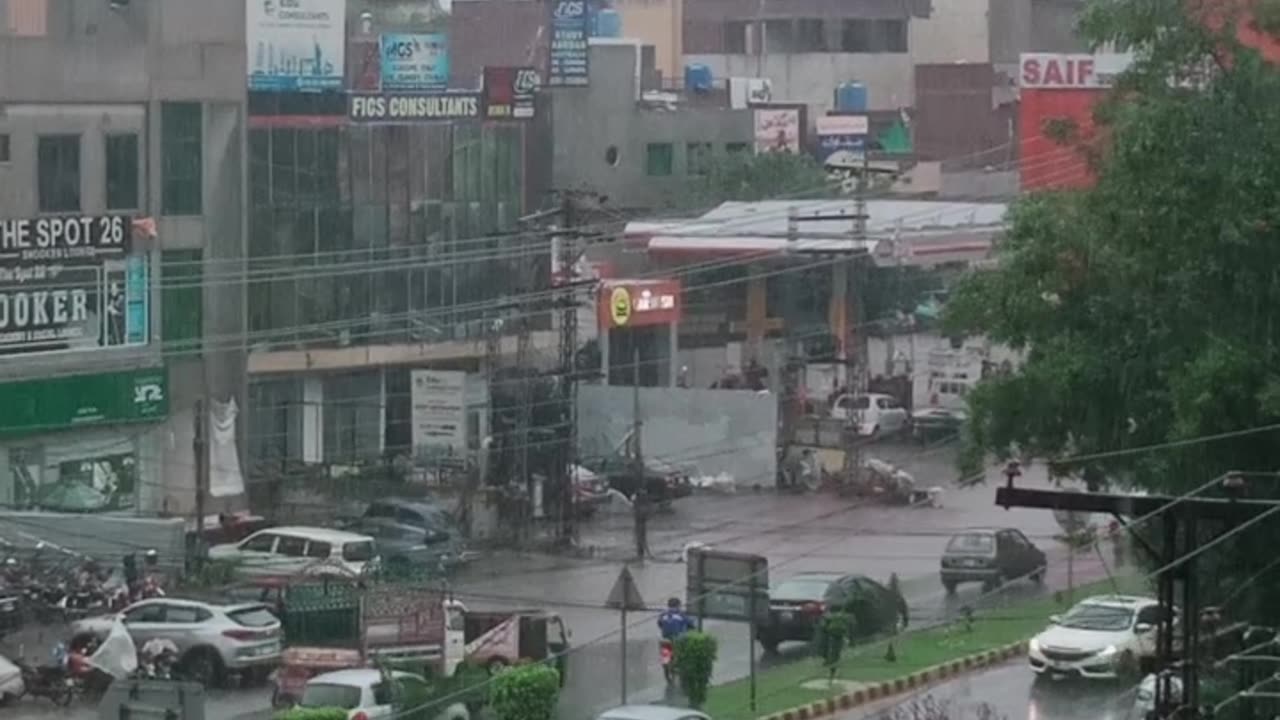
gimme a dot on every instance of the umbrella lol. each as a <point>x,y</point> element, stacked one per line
<point>71,497</point>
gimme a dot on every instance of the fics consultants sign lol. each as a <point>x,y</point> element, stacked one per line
<point>71,283</point>
<point>412,108</point>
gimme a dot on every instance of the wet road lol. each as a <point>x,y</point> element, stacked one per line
<point>1011,692</point>
<point>796,533</point>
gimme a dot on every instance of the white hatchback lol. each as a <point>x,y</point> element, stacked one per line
<point>293,550</point>
<point>872,413</point>
<point>366,695</point>
<point>1101,637</point>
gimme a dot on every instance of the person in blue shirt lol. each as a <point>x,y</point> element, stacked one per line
<point>674,622</point>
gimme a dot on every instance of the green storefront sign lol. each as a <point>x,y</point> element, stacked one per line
<point>38,406</point>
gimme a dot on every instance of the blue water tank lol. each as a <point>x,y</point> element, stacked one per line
<point>851,97</point>
<point>608,23</point>
<point>697,77</point>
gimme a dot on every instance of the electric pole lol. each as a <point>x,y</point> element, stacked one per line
<point>566,463</point>
<point>200,448</point>
<point>641,499</point>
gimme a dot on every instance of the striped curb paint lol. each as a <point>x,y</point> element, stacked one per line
<point>900,685</point>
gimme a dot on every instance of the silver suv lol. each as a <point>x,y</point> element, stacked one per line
<point>212,640</point>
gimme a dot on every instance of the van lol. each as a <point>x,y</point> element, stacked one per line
<point>294,550</point>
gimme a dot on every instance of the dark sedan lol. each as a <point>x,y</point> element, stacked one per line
<point>797,605</point>
<point>990,557</point>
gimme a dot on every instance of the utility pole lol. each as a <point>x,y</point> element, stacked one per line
<point>200,448</point>
<point>641,498</point>
<point>567,460</point>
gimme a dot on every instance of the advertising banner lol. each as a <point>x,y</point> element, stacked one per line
<point>415,61</point>
<point>638,303</point>
<point>569,54</point>
<point>83,400</point>
<point>295,45</point>
<point>777,130</point>
<point>841,134</point>
<point>509,92</point>
<point>1071,71</point>
<point>412,107</point>
<point>439,409</point>
<point>70,283</point>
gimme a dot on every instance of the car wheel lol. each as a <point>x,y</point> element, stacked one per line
<point>1037,577</point>
<point>203,665</point>
<point>770,645</point>
<point>950,586</point>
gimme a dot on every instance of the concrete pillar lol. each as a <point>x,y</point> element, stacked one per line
<point>757,312</point>
<point>604,337</point>
<point>312,419</point>
<point>674,375</point>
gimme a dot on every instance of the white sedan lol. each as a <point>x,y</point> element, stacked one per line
<point>1101,637</point>
<point>366,695</point>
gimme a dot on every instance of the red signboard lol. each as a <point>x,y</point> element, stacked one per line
<point>638,303</point>
<point>1044,161</point>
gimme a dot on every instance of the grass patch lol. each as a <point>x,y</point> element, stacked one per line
<point>779,688</point>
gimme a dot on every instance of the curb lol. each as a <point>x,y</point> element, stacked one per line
<point>899,686</point>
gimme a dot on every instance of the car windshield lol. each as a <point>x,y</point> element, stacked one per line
<point>360,551</point>
<point>1095,616</point>
<point>971,543</point>
<point>253,617</point>
<point>801,589</point>
<point>320,695</point>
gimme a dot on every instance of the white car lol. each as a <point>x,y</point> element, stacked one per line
<point>11,687</point>
<point>1101,637</point>
<point>872,413</point>
<point>1145,700</point>
<point>293,550</point>
<point>365,694</point>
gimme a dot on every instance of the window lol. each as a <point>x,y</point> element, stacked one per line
<point>737,147</point>
<point>181,142</point>
<point>360,551</point>
<point>874,36</point>
<point>779,36</point>
<point>292,546</point>
<point>58,157</point>
<point>259,543</point>
<point>658,159</point>
<point>122,172</point>
<point>185,614</point>
<point>736,37</point>
<point>382,694</point>
<point>319,549</point>
<point>182,301</point>
<point>810,35</point>
<point>145,613</point>
<point>4,148</point>
<point>698,158</point>
<point>256,616</point>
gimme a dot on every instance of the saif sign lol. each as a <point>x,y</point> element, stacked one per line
<point>71,283</point>
<point>412,107</point>
<point>1062,71</point>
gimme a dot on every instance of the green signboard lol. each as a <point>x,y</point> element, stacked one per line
<point>47,405</point>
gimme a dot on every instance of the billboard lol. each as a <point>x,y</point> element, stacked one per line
<point>777,130</point>
<point>414,61</point>
<point>71,283</point>
<point>841,133</point>
<point>638,303</point>
<point>399,108</point>
<point>1071,70</point>
<point>727,585</point>
<point>509,92</point>
<point>438,412</point>
<point>570,54</point>
<point>295,45</point>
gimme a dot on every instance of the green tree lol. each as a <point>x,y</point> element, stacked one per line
<point>526,692</point>
<point>746,177</point>
<point>695,659</point>
<point>1147,305</point>
<point>833,632</point>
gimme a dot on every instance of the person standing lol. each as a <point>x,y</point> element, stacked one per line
<point>640,508</point>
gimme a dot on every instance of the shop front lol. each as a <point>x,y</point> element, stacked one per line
<point>84,443</point>
<point>639,331</point>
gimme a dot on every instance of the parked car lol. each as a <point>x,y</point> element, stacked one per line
<point>990,557</point>
<point>292,550</point>
<point>797,605</point>
<point>652,712</point>
<point>1102,637</point>
<point>366,695</point>
<point>590,491</point>
<point>665,481</point>
<point>872,413</point>
<point>212,640</point>
<point>416,531</point>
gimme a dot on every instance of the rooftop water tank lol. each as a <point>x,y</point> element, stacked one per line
<point>697,78</point>
<point>851,97</point>
<point>607,23</point>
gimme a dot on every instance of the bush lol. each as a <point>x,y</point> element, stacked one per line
<point>303,713</point>
<point>695,659</point>
<point>830,640</point>
<point>525,692</point>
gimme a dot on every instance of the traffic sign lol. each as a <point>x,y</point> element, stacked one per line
<point>625,595</point>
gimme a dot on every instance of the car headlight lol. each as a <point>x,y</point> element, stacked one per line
<point>1034,645</point>
<point>1107,651</point>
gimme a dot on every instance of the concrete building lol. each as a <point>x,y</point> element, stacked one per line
<point>121,138</point>
<point>640,147</point>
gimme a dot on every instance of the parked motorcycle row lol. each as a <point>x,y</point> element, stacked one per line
<point>67,587</point>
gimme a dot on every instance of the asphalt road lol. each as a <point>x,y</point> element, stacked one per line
<point>796,533</point>
<point>1011,692</point>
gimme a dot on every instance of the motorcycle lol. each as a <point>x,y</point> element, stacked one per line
<point>54,682</point>
<point>157,659</point>
<point>666,656</point>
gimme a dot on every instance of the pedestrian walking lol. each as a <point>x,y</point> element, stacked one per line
<point>640,508</point>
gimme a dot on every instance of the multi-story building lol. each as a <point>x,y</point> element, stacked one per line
<point>121,188</point>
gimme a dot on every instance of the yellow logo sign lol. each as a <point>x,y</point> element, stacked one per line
<point>620,306</point>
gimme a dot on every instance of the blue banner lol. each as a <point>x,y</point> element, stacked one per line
<point>570,25</point>
<point>137,299</point>
<point>829,145</point>
<point>417,61</point>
